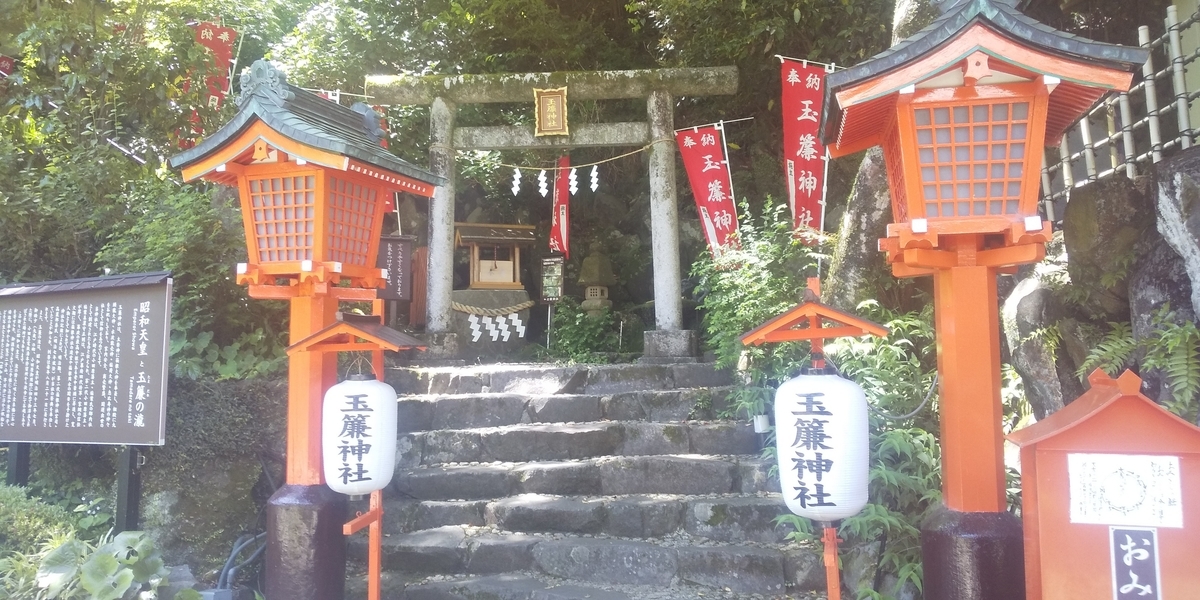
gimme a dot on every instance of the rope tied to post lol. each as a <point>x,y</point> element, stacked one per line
<point>491,312</point>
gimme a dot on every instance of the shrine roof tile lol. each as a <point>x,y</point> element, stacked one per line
<point>308,119</point>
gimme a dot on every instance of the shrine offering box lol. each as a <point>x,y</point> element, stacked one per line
<point>1111,498</point>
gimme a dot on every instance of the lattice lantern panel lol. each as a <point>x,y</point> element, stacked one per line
<point>967,157</point>
<point>312,221</point>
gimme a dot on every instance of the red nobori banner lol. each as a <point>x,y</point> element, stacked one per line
<point>560,218</point>
<point>804,156</point>
<point>8,64</point>
<point>703,151</point>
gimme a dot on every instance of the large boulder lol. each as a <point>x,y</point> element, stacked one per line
<point>1101,227</point>
<point>1177,200</point>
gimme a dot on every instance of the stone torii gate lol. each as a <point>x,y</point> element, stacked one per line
<point>659,87</point>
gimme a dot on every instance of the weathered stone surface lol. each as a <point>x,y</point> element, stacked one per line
<point>413,414</point>
<point>1177,200</point>
<point>670,344</point>
<point>450,445</point>
<point>564,408</point>
<point>700,375</point>
<point>741,569</point>
<point>643,517</point>
<point>409,450</point>
<point>449,483</point>
<point>569,478</point>
<point>586,85</point>
<point>550,442</point>
<point>1024,313</point>
<point>666,475</point>
<point>1101,224</point>
<point>723,438</point>
<point>494,587</point>
<point>539,380</point>
<point>754,477</point>
<point>613,379</point>
<point>804,570</point>
<point>537,512</point>
<point>439,513</point>
<point>1158,278</point>
<point>736,519</point>
<point>483,410</point>
<point>440,550</point>
<point>500,553</point>
<point>577,592</point>
<point>608,561</point>
<point>641,438</point>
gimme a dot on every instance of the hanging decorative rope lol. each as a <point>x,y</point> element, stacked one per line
<point>491,312</point>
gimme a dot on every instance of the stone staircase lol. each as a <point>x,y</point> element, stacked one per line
<point>613,482</point>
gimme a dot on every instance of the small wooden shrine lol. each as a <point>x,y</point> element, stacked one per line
<point>495,253</point>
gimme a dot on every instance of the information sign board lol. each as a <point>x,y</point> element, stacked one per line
<point>85,361</point>
<point>395,255</point>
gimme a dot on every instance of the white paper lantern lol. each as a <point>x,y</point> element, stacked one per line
<point>358,435</point>
<point>821,435</point>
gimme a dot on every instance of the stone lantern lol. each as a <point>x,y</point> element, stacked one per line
<point>596,275</point>
<point>963,110</point>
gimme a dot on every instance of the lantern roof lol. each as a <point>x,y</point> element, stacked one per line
<point>1021,49</point>
<point>1139,417</point>
<point>342,336</point>
<point>783,328</point>
<point>319,131</point>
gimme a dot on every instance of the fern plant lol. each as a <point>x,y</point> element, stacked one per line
<point>1172,348</point>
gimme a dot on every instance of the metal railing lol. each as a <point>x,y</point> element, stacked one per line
<point>1125,132</point>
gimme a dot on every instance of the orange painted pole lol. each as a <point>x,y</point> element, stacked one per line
<point>309,375</point>
<point>377,309</point>
<point>373,518</point>
<point>833,583</point>
<point>968,342</point>
<point>816,345</point>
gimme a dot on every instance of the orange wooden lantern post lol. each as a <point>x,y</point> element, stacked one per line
<point>963,111</point>
<point>313,182</point>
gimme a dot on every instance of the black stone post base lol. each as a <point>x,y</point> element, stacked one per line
<point>973,556</point>
<point>306,551</point>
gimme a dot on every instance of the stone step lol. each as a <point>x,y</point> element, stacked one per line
<point>727,518</point>
<point>538,586</point>
<point>687,474</point>
<point>744,568</point>
<point>555,379</point>
<point>465,411</point>
<point>564,441</point>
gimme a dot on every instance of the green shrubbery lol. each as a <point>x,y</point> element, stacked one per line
<point>27,523</point>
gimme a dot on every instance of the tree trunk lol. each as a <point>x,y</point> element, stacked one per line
<point>858,267</point>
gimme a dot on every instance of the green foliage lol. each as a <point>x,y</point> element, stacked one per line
<point>1173,348</point>
<point>748,286</point>
<point>120,567</point>
<point>26,522</point>
<point>580,337</point>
